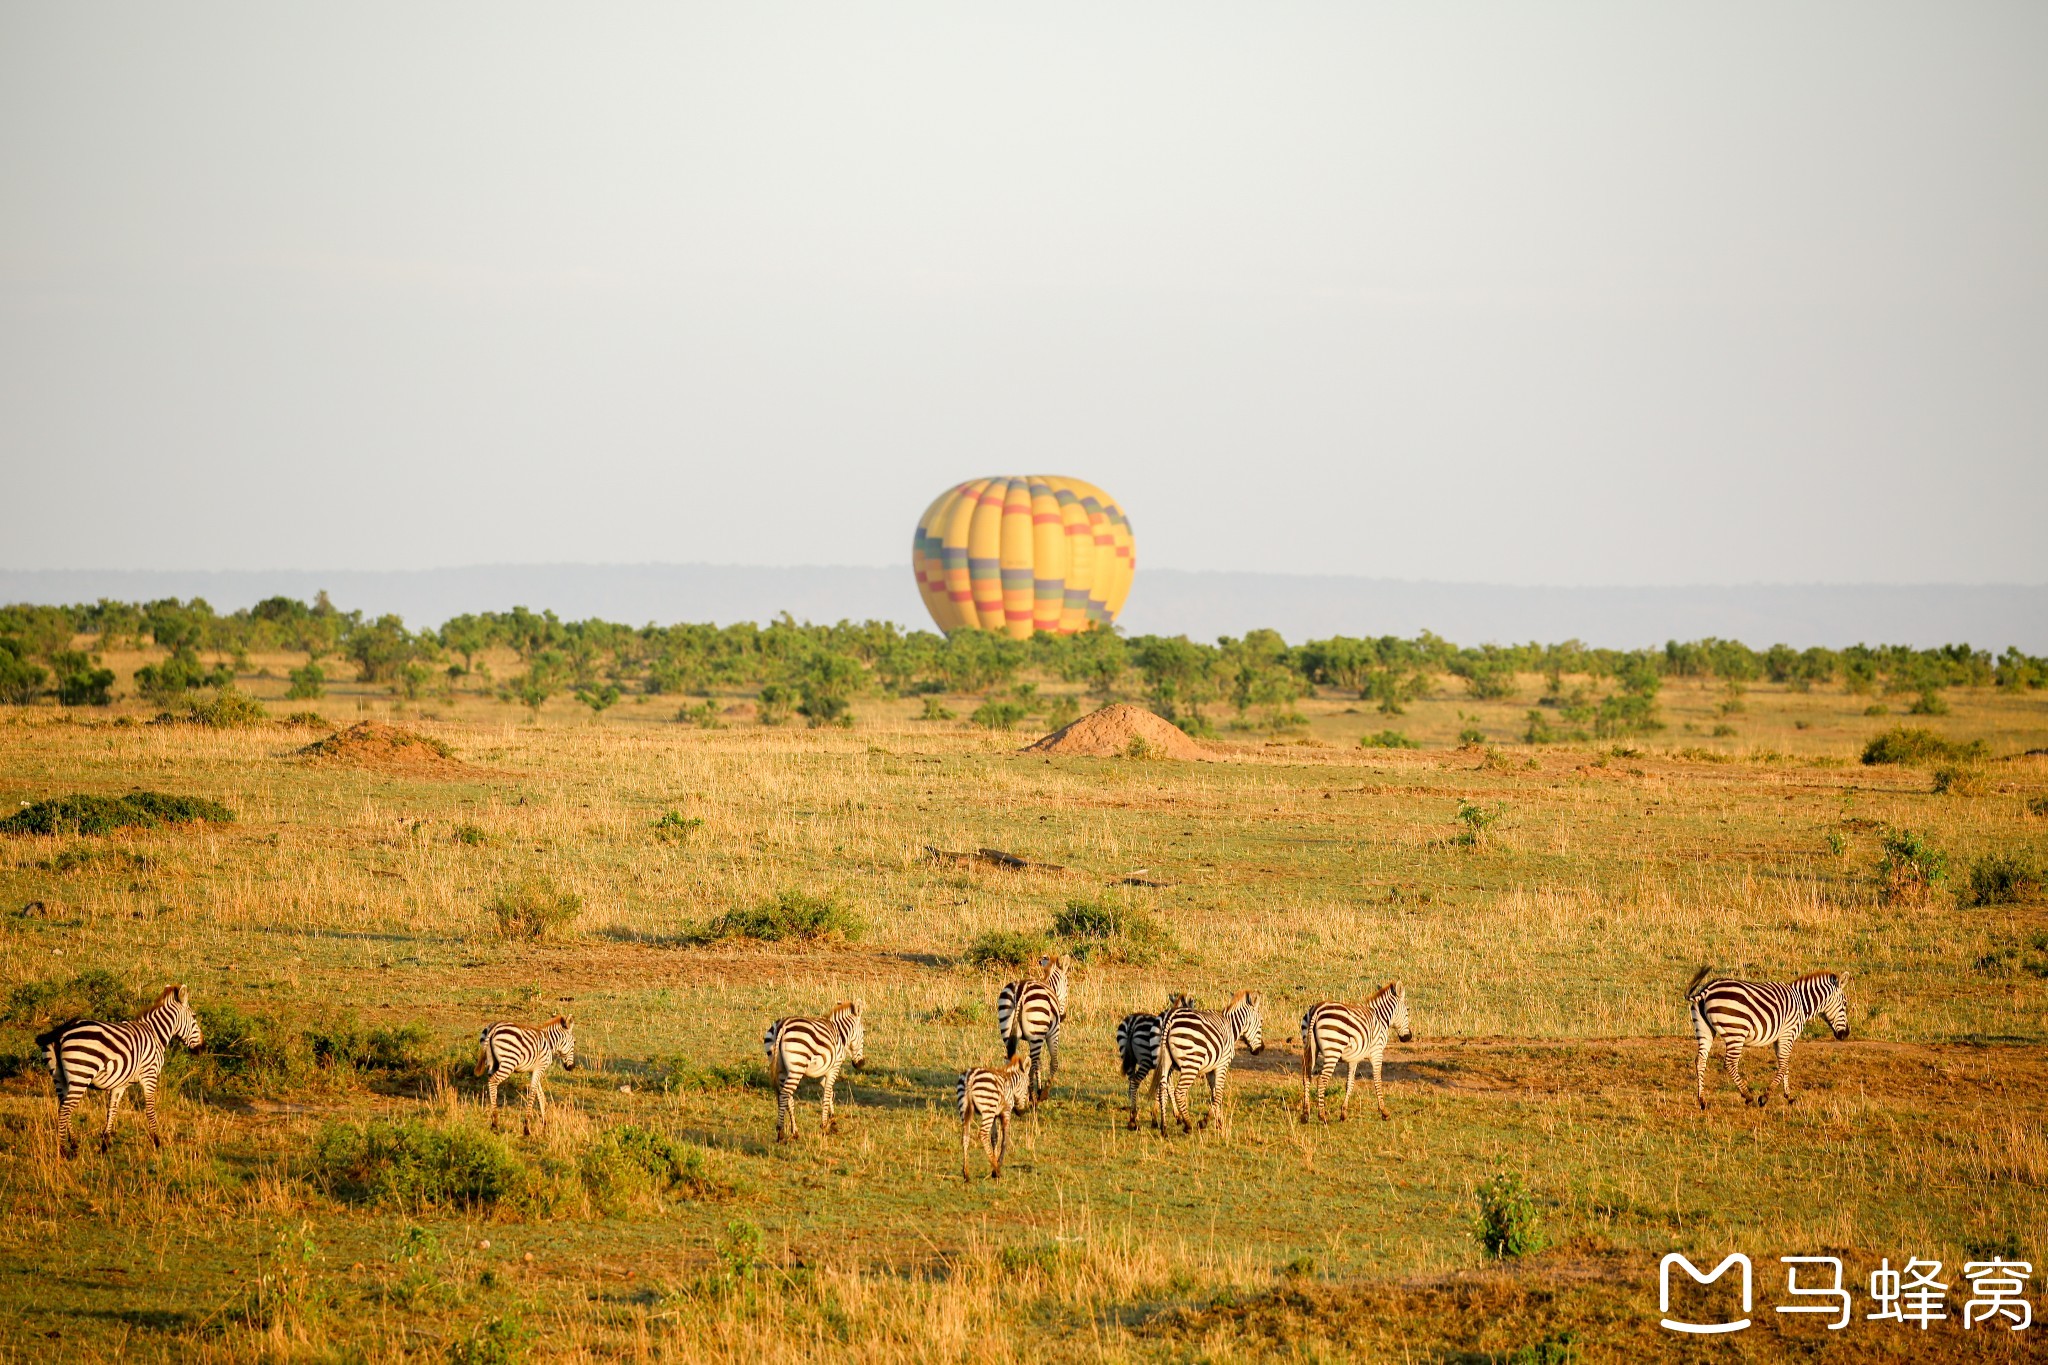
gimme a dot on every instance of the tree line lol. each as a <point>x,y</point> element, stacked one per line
<point>817,671</point>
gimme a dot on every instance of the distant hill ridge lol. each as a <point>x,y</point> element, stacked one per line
<point>1163,601</point>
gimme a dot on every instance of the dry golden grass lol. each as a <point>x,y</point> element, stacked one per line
<point>1545,966</point>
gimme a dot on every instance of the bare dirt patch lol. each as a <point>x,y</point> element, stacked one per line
<point>1122,731</point>
<point>386,748</point>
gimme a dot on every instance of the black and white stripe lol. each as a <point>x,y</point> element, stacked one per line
<point>86,1055</point>
<point>801,1046</point>
<point>1333,1033</point>
<point>1195,1043</point>
<point>504,1050</point>
<point>1742,1013</point>
<point>1137,1048</point>
<point>1029,1013</point>
<point>986,1100</point>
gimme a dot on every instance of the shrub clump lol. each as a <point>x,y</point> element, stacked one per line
<point>94,994</point>
<point>1911,744</point>
<point>228,708</point>
<point>253,1053</point>
<point>82,814</point>
<point>1508,1224</point>
<point>630,1165</point>
<point>1909,868</point>
<point>535,908</point>
<point>1957,779</point>
<point>1109,931</point>
<point>674,826</point>
<point>1387,739</point>
<point>1000,948</point>
<point>2004,879</point>
<point>414,1165</point>
<point>791,915</point>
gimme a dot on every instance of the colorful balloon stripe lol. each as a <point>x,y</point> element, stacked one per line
<point>1023,554</point>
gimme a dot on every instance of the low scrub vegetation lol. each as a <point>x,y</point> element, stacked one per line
<point>1508,1224</point>
<point>84,814</point>
<point>1911,744</point>
<point>1001,949</point>
<point>417,1165</point>
<point>2008,878</point>
<point>535,908</point>
<point>1910,868</point>
<point>792,915</point>
<point>1111,931</point>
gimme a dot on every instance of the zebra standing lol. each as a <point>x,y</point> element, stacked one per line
<point>800,1046</point>
<point>1137,1047</point>
<point>1030,1012</point>
<point>504,1050</point>
<point>1194,1043</point>
<point>86,1055</point>
<point>1745,1012</point>
<point>987,1099</point>
<point>1333,1033</point>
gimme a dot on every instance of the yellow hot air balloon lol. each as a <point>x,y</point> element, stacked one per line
<point>1025,554</point>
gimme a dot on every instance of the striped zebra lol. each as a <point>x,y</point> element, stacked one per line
<point>86,1055</point>
<point>1195,1043</point>
<point>504,1050</point>
<point>1333,1033</point>
<point>1746,1012</point>
<point>1029,1013</point>
<point>1137,1047</point>
<point>986,1100</point>
<point>799,1046</point>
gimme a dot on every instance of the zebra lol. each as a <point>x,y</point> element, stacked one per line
<point>86,1055</point>
<point>1029,1012</point>
<point>1745,1012</point>
<point>1333,1033</point>
<point>506,1049</point>
<point>987,1099</point>
<point>1137,1046</point>
<point>800,1046</point>
<point>1194,1043</point>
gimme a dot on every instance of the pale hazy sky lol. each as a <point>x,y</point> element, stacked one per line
<point>1557,293</point>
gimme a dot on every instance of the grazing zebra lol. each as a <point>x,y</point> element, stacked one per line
<point>506,1049</point>
<point>86,1055</point>
<point>800,1046</point>
<point>1137,1046</point>
<point>1030,1012</point>
<point>987,1099</point>
<point>1745,1012</point>
<point>1195,1043</point>
<point>1333,1033</point>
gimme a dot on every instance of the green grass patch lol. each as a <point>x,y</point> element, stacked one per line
<point>1912,744</point>
<point>86,814</point>
<point>793,916</point>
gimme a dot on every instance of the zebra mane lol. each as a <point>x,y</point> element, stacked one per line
<point>561,1019</point>
<point>170,993</point>
<point>845,1009</point>
<point>1828,977</point>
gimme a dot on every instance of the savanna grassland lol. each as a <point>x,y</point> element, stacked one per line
<point>329,1190</point>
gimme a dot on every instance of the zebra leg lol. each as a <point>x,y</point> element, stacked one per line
<point>114,1095</point>
<point>149,1113</point>
<point>1732,1052</point>
<point>1350,1079</point>
<point>1136,1082</point>
<point>1041,1083</point>
<point>1784,1076</point>
<point>831,1125</point>
<point>785,1107</point>
<point>491,1097</point>
<point>67,1109</point>
<point>1379,1094</point>
<point>966,1145</point>
<point>1308,1066</point>
<point>534,1101</point>
<point>1002,1145</point>
<point>1704,1032</point>
<point>1182,1083</point>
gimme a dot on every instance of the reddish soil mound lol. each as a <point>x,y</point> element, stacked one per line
<point>1121,731</point>
<point>370,744</point>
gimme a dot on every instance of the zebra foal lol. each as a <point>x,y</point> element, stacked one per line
<point>504,1050</point>
<point>86,1055</point>
<point>1333,1033</point>
<point>1744,1012</point>
<point>986,1099</point>
<point>801,1046</point>
<point>1029,1014</point>
<point>1195,1043</point>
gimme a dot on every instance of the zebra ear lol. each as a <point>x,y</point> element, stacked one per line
<point>1395,986</point>
<point>179,991</point>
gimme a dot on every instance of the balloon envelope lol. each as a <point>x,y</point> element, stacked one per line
<point>1025,554</point>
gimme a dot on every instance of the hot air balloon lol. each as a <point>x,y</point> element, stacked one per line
<point>1024,554</point>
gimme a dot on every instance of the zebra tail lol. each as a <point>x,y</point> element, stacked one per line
<point>1692,987</point>
<point>47,1043</point>
<point>483,1061</point>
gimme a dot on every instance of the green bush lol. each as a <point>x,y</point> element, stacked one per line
<point>2004,879</point>
<point>1475,820</point>
<point>308,683</point>
<point>250,1053</point>
<point>535,908</point>
<point>791,915</point>
<point>92,994</point>
<point>1111,931</point>
<point>1909,868</point>
<point>81,681</point>
<point>631,1165</point>
<point>21,682</point>
<point>82,814</point>
<point>674,825</point>
<point>934,710</point>
<point>1929,703</point>
<point>1958,779</point>
<point>228,709</point>
<point>1002,949</point>
<point>1909,744</point>
<point>493,1341</point>
<point>1508,1223</point>
<point>999,715</point>
<point>1387,739</point>
<point>414,1165</point>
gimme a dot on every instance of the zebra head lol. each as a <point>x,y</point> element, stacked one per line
<point>1396,1010</point>
<point>1016,1078</point>
<point>179,1022</point>
<point>1247,1016</point>
<point>561,1036</point>
<point>1056,969</point>
<point>1834,1005</point>
<point>846,1018</point>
